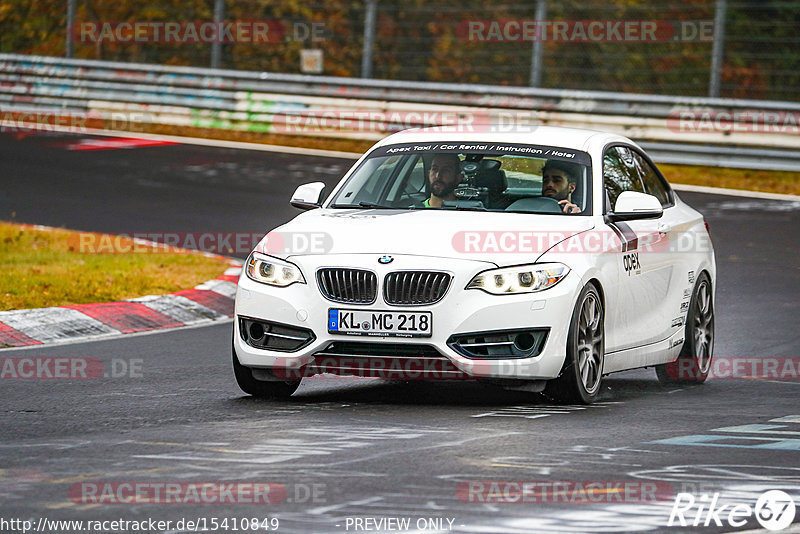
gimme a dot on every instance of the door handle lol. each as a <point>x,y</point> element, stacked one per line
<point>664,228</point>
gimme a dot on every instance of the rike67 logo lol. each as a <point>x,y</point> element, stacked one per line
<point>774,510</point>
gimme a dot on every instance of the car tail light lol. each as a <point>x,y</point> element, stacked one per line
<point>707,228</point>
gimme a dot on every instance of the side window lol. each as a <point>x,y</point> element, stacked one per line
<point>373,187</point>
<point>416,182</point>
<point>411,180</point>
<point>620,173</point>
<point>652,183</point>
<point>369,181</point>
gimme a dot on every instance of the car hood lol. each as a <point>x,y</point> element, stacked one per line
<point>495,237</point>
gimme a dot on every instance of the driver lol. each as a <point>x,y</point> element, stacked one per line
<point>559,179</point>
<point>443,177</point>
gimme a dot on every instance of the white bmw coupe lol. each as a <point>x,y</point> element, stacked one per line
<point>539,261</point>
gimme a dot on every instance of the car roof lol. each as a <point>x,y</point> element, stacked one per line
<point>572,138</point>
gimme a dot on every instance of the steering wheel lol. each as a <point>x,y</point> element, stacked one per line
<point>536,204</point>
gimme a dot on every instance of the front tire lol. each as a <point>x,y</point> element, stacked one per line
<point>581,376</point>
<point>694,361</point>
<point>261,388</point>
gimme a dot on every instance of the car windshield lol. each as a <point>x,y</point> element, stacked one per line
<point>470,176</point>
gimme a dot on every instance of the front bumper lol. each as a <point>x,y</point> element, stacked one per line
<point>460,312</point>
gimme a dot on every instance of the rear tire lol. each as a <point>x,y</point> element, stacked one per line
<point>581,376</point>
<point>261,388</point>
<point>694,361</point>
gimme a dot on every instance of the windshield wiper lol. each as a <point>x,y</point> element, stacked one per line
<point>464,208</point>
<point>375,205</point>
<point>364,205</point>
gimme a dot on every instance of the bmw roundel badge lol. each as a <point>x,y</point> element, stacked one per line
<point>385,259</point>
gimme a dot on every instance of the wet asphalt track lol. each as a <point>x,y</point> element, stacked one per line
<point>371,449</point>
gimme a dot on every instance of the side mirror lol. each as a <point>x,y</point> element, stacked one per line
<point>632,206</point>
<point>308,196</point>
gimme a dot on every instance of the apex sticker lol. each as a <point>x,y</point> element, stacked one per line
<point>630,262</point>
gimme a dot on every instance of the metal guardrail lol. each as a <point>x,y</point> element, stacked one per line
<point>721,156</point>
<point>706,131</point>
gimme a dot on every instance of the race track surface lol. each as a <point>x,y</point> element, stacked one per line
<point>347,449</point>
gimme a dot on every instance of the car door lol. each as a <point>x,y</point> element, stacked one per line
<point>680,227</point>
<point>675,231</point>
<point>646,268</point>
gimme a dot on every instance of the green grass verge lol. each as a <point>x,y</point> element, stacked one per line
<point>42,268</point>
<point>750,180</point>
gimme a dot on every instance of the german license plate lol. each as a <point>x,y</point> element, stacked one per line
<point>380,323</point>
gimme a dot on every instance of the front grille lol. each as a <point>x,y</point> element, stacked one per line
<point>415,288</point>
<point>393,361</point>
<point>378,349</point>
<point>349,286</point>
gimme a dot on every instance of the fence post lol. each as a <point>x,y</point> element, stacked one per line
<point>536,54</point>
<point>718,48</point>
<point>216,46</point>
<point>369,39</point>
<point>70,24</point>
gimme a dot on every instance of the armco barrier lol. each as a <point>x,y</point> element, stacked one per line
<point>723,132</point>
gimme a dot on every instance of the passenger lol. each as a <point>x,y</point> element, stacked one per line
<point>445,174</point>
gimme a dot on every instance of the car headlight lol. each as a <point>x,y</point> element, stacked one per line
<point>523,279</point>
<point>272,271</point>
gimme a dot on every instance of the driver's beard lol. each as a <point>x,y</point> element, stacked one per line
<point>560,195</point>
<point>445,188</point>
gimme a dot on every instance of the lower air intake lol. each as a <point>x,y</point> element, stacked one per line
<point>500,344</point>
<point>273,336</point>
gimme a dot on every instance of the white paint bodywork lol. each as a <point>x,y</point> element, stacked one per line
<point>642,308</point>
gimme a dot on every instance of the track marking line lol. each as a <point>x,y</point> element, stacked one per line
<point>217,143</point>
<point>113,144</point>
